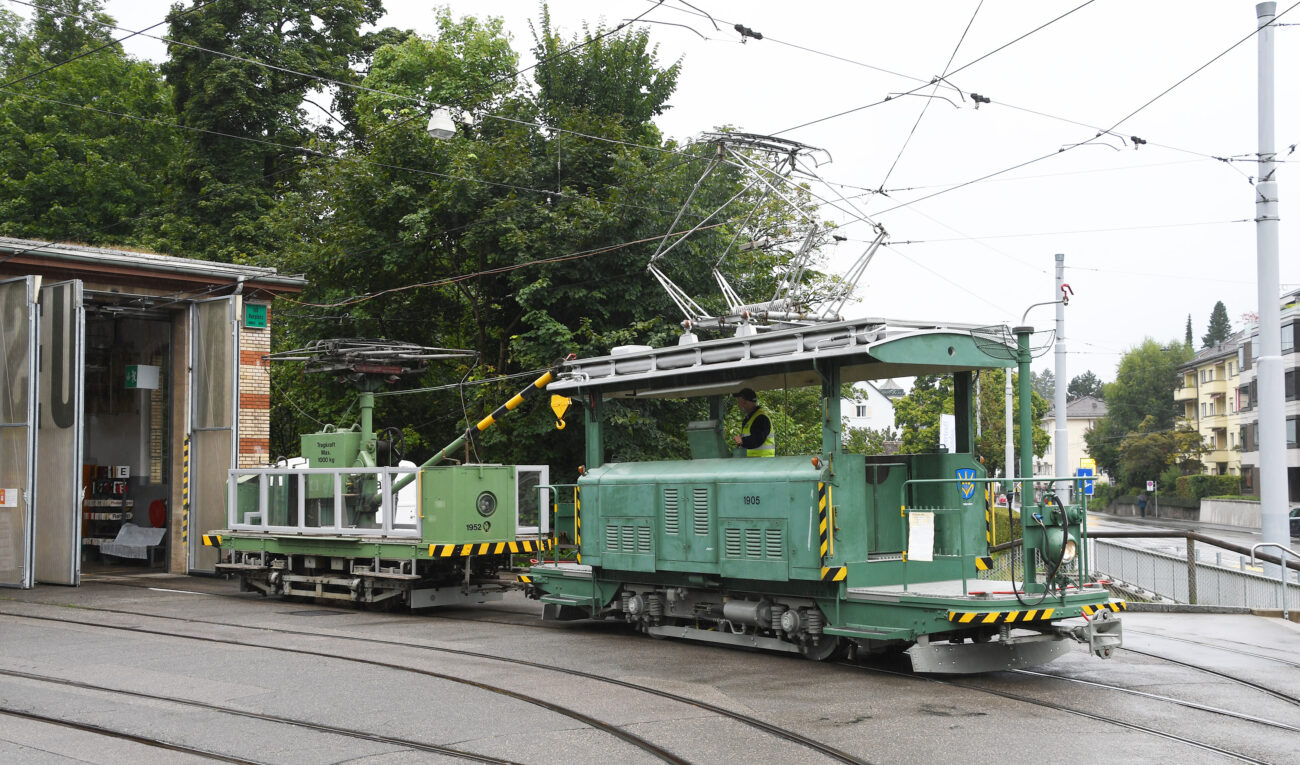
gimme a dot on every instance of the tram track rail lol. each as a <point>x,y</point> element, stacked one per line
<point>100,730</point>
<point>772,729</point>
<point>1166,699</point>
<point>1238,651</point>
<point>1281,695</point>
<point>318,727</point>
<point>1116,721</point>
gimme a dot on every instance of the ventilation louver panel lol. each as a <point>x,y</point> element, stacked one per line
<point>672,514</point>
<point>775,546</point>
<point>731,546</point>
<point>701,506</point>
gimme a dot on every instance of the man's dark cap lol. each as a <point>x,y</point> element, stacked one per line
<point>748,394</point>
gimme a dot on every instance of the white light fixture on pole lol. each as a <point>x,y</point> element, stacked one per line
<point>441,125</point>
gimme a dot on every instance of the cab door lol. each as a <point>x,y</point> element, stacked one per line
<point>18,432</point>
<point>61,331</point>
<point>214,392</point>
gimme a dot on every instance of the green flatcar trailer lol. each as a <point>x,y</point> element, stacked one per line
<point>342,527</point>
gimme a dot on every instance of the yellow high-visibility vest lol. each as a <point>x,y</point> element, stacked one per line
<point>765,449</point>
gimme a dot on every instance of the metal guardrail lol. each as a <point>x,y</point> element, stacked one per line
<point>1182,579</point>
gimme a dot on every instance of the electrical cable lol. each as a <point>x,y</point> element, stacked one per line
<point>926,106</point>
<point>486,272</point>
<point>425,103</point>
<point>311,153</point>
<point>93,51</point>
<point>1062,150</point>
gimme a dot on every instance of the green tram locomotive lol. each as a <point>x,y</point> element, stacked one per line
<point>819,553</point>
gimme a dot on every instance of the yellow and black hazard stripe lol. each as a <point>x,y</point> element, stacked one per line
<point>490,548</point>
<point>577,521</point>
<point>834,573</point>
<point>1114,605</point>
<point>523,395</point>
<point>823,519</point>
<point>525,578</point>
<point>211,540</point>
<point>984,563</point>
<point>1000,617</point>
<point>185,492</point>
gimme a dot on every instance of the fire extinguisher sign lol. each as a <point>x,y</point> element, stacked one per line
<point>8,498</point>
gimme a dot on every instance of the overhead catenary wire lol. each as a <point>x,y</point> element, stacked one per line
<point>926,106</point>
<point>1062,150</point>
<point>487,272</point>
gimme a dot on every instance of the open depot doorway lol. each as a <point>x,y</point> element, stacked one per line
<point>127,435</point>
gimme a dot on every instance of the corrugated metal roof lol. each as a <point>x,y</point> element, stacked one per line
<point>105,256</point>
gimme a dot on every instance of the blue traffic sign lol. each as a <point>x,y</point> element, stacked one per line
<point>1087,485</point>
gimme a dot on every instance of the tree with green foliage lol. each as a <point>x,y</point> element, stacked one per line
<point>917,417</point>
<point>1043,383</point>
<point>71,168</point>
<point>1148,453</point>
<point>249,125</point>
<point>1144,387</point>
<point>990,446</point>
<point>1220,328</point>
<point>868,440</point>
<point>1086,384</point>
<point>1188,340</point>
<point>522,237</point>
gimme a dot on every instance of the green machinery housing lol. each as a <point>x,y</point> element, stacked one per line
<point>817,554</point>
<point>350,521</point>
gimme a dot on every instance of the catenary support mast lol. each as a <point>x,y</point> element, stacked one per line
<point>1272,438</point>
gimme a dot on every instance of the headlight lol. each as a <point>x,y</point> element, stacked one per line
<point>1057,545</point>
<point>486,504</point>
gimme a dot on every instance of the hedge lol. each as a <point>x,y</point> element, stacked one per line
<point>1194,487</point>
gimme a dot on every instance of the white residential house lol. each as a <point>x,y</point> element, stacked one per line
<point>1081,415</point>
<point>872,405</point>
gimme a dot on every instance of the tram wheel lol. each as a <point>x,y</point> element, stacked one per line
<point>824,648</point>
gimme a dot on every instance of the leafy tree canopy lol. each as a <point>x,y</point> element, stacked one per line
<point>228,185</point>
<point>1147,454</point>
<point>523,237</point>
<point>1143,388</point>
<point>917,417</point>
<point>1043,383</point>
<point>1086,384</point>
<point>70,171</point>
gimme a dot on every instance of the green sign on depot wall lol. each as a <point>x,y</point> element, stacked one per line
<point>254,316</point>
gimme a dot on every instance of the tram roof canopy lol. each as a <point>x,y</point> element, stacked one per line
<point>865,349</point>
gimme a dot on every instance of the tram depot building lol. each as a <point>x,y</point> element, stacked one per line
<point>130,383</point>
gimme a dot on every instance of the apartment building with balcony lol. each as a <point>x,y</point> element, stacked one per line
<point>1247,396</point>
<point>1210,397</point>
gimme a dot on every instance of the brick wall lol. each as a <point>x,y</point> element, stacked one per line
<point>254,395</point>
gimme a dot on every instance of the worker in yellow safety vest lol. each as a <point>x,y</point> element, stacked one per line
<point>756,432</point>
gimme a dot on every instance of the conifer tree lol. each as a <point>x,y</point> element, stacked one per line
<point>1220,326</point>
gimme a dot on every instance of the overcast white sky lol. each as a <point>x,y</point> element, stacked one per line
<point>1149,235</point>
